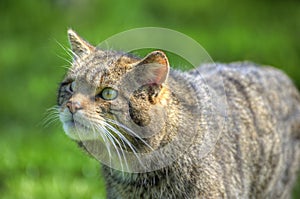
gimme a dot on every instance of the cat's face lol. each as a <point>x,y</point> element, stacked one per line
<point>104,92</point>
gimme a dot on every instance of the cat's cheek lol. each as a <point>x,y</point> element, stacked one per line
<point>70,132</point>
<point>139,116</point>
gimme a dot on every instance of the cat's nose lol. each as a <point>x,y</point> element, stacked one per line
<point>73,106</point>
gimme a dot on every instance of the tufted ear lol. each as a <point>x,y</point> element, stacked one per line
<point>155,67</point>
<point>79,46</point>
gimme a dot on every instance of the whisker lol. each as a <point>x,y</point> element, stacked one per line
<point>70,53</point>
<point>104,137</point>
<point>112,139</point>
<point>126,140</point>
<point>67,50</point>
<point>68,67</point>
<point>51,116</point>
<point>65,59</point>
<point>121,136</point>
<point>50,121</point>
<point>130,131</point>
<point>55,107</point>
<point>122,149</point>
<point>119,144</point>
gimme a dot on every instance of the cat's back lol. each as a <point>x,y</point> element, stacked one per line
<point>259,148</point>
<point>265,93</point>
<point>254,84</point>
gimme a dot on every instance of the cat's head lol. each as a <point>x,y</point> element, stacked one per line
<point>106,94</point>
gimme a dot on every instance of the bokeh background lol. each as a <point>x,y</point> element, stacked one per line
<point>41,162</point>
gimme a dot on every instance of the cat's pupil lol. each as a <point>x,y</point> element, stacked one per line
<point>109,94</point>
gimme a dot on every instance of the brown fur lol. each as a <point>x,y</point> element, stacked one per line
<point>257,154</point>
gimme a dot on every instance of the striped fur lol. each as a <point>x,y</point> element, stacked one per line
<point>257,154</point>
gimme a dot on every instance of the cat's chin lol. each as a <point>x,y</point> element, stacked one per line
<point>79,132</point>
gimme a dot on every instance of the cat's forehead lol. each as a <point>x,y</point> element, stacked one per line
<point>101,66</point>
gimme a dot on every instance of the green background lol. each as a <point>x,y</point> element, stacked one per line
<point>41,162</point>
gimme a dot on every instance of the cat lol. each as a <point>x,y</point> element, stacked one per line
<point>256,154</point>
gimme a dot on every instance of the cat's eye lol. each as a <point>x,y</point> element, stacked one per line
<point>70,87</point>
<point>108,93</point>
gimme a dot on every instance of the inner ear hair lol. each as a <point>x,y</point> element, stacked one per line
<point>155,67</point>
<point>79,46</point>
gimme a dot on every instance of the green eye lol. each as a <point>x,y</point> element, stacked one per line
<point>109,94</point>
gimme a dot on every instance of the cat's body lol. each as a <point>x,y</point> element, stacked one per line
<point>256,157</point>
<point>256,154</point>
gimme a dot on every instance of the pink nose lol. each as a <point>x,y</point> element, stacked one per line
<point>73,106</point>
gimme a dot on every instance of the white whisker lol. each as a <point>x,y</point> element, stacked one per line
<point>112,140</point>
<point>104,125</point>
<point>51,116</point>
<point>49,121</point>
<point>126,140</point>
<point>129,131</point>
<point>67,50</point>
<point>122,149</point>
<point>70,53</point>
<point>65,59</point>
<point>104,137</point>
<point>121,136</point>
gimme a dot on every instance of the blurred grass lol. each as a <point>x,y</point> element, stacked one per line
<point>38,162</point>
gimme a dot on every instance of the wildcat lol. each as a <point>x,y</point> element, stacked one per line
<point>255,155</point>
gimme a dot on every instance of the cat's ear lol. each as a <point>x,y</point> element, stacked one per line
<point>79,46</point>
<point>155,67</point>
